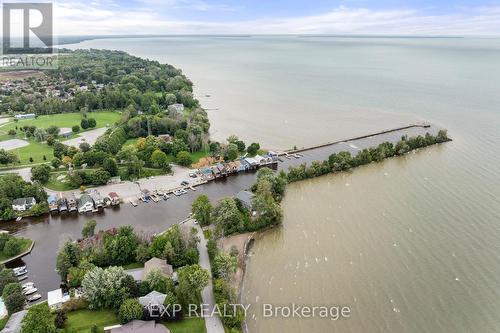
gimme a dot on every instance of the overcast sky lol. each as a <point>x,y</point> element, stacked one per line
<point>393,17</point>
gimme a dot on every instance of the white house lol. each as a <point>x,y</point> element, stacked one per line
<point>22,204</point>
<point>56,298</point>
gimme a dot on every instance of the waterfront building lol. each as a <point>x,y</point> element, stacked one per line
<point>115,199</point>
<point>85,203</point>
<point>98,199</point>
<point>22,204</point>
<point>72,203</point>
<point>52,201</point>
<point>56,298</point>
<point>62,203</point>
<point>206,173</point>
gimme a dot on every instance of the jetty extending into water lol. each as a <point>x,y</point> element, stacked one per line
<point>386,131</point>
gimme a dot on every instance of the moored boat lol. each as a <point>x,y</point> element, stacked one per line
<point>33,298</point>
<point>30,291</point>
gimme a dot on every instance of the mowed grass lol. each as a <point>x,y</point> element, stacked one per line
<point>25,245</point>
<point>83,320</point>
<point>34,153</point>
<point>187,325</point>
<point>68,120</point>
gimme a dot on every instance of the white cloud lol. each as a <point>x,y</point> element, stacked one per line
<point>107,17</point>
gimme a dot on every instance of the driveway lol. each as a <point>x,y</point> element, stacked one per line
<point>212,323</point>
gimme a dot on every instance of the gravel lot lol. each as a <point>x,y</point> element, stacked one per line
<point>13,144</point>
<point>90,137</point>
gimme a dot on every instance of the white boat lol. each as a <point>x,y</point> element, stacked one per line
<point>20,268</point>
<point>30,291</point>
<point>19,218</point>
<point>296,156</point>
<point>35,297</point>
<point>20,272</point>
<point>28,285</point>
<point>21,278</point>
<point>166,196</point>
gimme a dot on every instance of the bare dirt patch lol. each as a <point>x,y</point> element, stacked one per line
<point>20,75</point>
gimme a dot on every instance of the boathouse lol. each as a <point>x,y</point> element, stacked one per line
<point>22,204</point>
<point>52,201</point>
<point>85,203</point>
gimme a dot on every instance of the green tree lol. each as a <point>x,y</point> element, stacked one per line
<point>158,282</point>
<point>109,164</point>
<point>253,148</point>
<point>68,257</point>
<point>184,158</point>
<point>38,320</point>
<point>75,129</point>
<point>227,217</point>
<point>6,276</point>
<point>13,297</point>
<point>40,173</point>
<point>12,247</point>
<point>56,162</point>
<point>192,280</point>
<point>89,229</point>
<point>231,152</point>
<point>159,159</point>
<point>224,266</point>
<point>142,253</point>
<point>202,209</point>
<point>130,310</point>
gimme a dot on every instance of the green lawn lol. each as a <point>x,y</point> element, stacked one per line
<point>36,150</point>
<point>57,185</point>
<point>68,120</point>
<point>82,320</point>
<point>25,245</point>
<point>187,325</point>
<point>133,265</point>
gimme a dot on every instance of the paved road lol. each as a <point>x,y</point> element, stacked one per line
<point>212,323</point>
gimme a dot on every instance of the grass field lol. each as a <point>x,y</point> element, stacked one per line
<point>25,245</point>
<point>83,320</point>
<point>187,325</point>
<point>37,150</point>
<point>68,120</point>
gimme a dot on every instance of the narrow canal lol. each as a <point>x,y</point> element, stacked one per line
<point>52,231</point>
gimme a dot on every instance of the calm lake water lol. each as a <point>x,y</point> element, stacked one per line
<point>411,244</point>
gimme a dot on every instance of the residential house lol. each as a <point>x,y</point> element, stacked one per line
<point>157,263</point>
<point>222,169</point>
<point>246,198</point>
<point>153,304</point>
<point>85,203</point>
<point>165,137</point>
<point>138,326</point>
<point>56,298</point>
<point>52,201</point>
<point>22,204</point>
